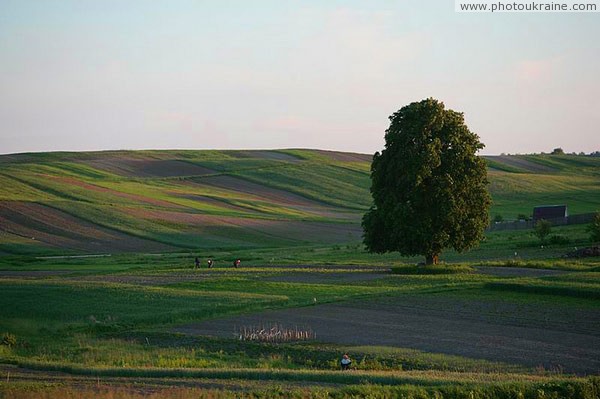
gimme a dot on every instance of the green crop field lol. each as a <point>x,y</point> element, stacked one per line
<point>109,321</point>
<point>161,201</point>
<point>99,297</point>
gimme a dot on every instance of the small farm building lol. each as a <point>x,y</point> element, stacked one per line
<point>549,212</point>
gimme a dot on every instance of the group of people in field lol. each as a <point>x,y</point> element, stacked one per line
<point>210,263</point>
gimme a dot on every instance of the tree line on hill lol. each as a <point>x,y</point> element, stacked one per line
<point>560,151</point>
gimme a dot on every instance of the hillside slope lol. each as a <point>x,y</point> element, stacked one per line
<point>154,201</point>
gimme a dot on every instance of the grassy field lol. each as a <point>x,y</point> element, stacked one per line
<point>513,318</point>
<point>114,322</point>
<point>168,201</point>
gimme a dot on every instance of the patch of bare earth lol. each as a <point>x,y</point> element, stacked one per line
<point>250,191</point>
<point>521,163</point>
<point>530,335</point>
<point>32,274</point>
<point>345,156</point>
<point>137,279</point>
<point>215,202</point>
<point>56,228</point>
<point>149,167</point>
<point>265,154</point>
<point>518,271</point>
<point>327,278</point>
<point>283,229</point>
<point>332,268</point>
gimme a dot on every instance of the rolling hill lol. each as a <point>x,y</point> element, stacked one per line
<point>156,201</point>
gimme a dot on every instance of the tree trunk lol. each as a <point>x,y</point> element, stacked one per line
<point>431,259</point>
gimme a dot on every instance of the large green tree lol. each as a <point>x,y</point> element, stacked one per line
<point>429,187</point>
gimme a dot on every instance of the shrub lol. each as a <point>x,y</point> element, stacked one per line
<point>523,216</point>
<point>9,339</point>
<point>594,228</point>
<point>542,229</point>
<point>498,219</point>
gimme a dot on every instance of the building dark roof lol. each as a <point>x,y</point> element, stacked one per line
<point>550,212</point>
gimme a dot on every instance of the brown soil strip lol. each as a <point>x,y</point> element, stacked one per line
<point>265,154</point>
<point>251,190</point>
<point>149,167</point>
<point>523,334</point>
<point>518,271</point>
<point>346,156</point>
<point>216,202</point>
<point>521,163</point>
<point>326,278</point>
<point>149,280</point>
<point>56,228</point>
<point>280,229</point>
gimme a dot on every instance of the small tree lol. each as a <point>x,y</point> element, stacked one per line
<point>557,151</point>
<point>542,229</point>
<point>594,228</point>
<point>498,218</point>
<point>523,216</point>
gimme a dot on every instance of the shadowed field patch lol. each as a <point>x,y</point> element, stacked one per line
<point>562,338</point>
<point>345,156</point>
<point>521,163</point>
<point>255,191</point>
<point>327,278</point>
<point>518,271</point>
<point>56,228</point>
<point>148,168</point>
<point>265,154</point>
<point>279,229</point>
<point>108,191</point>
<point>33,274</point>
<point>216,202</point>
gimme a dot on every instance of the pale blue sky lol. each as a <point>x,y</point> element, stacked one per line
<point>92,75</point>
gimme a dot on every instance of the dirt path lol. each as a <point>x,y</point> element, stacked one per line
<point>518,271</point>
<point>124,386</point>
<point>32,273</point>
<point>525,334</point>
<point>327,278</point>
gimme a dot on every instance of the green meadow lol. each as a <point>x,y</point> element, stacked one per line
<point>115,319</point>
<point>99,297</point>
<point>164,201</point>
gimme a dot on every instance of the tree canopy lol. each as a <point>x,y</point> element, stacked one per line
<point>429,187</point>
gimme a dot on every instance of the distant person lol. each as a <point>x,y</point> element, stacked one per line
<point>345,362</point>
<point>236,263</point>
<point>197,263</point>
<point>210,263</point>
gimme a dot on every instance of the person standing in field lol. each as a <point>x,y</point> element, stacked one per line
<point>345,362</point>
<point>197,263</point>
<point>210,263</point>
<point>236,262</point>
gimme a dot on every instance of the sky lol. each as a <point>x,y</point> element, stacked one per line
<point>198,74</point>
